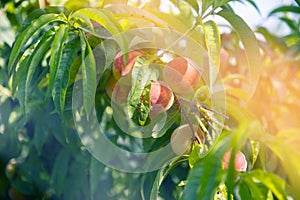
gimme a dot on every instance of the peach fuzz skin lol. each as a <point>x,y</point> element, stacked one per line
<point>240,162</point>
<point>121,69</point>
<point>161,97</point>
<point>182,75</point>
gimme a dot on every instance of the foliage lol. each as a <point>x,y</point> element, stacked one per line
<point>54,79</point>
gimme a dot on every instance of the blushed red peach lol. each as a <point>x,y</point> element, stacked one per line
<point>240,162</point>
<point>182,75</point>
<point>161,98</point>
<point>121,69</point>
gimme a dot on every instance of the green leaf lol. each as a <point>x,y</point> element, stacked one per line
<point>206,4</point>
<point>250,44</point>
<point>203,179</point>
<point>194,155</point>
<point>219,3</point>
<point>108,21</point>
<point>23,38</point>
<point>139,99</point>
<point>86,20</point>
<point>74,70</point>
<point>293,9</point>
<point>271,181</point>
<point>59,91</point>
<point>272,40</point>
<point>285,147</point>
<point>291,23</point>
<point>160,127</point>
<point>252,3</point>
<point>33,62</point>
<point>207,174</point>
<point>96,170</point>
<point>59,171</point>
<point>253,187</point>
<point>75,5</point>
<point>60,38</point>
<point>298,2</point>
<point>243,191</point>
<point>162,174</point>
<point>110,49</point>
<point>89,79</point>
<point>41,134</point>
<point>19,79</point>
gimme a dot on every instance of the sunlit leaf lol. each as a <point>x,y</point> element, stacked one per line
<point>127,11</point>
<point>194,4</point>
<point>272,40</point>
<point>250,44</point>
<point>238,113</point>
<point>186,11</point>
<point>289,156</point>
<point>108,21</point>
<point>213,43</point>
<point>237,93</point>
<point>206,4</point>
<point>219,3</point>
<point>181,26</point>
<point>75,5</point>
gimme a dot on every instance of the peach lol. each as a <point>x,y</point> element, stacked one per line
<point>182,138</point>
<point>161,98</point>
<point>118,90</point>
<point>240,162</point>
<point>182,75</point>
<point>121,69</point>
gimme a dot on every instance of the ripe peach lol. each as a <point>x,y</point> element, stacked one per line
<point>118,90</point>
<point>181,139</point>
<point>119,68</point>
<point>161,97</point>
<point>240,162</point>
<point>182,75</point>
